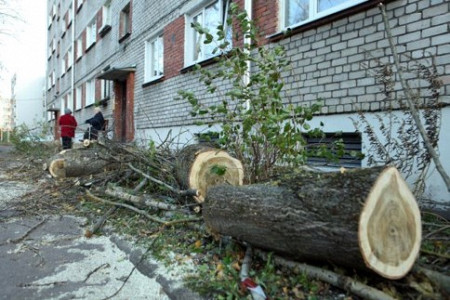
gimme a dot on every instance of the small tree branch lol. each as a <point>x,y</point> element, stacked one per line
<point>170,188</point>
<point>139,211</point>
<point>409,101</point>
<point>340,281</point>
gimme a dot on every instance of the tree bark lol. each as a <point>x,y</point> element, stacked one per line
<point>199,167</point>
<point>363,218</point>
<point>78,162</point>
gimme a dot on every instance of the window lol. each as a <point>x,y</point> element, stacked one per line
<point>69,15</point>
<point>297,12</point>
<point>70,101</point>
<point>106,13</point>
<point>49,82</point>
<point>210,16</point>
<point>78,97</point>
<point>125,22</point>
<point>105,89</point>
<point>63,105</point>
<point>63,66</point>
<point>90,92</point>
<point>79,3</point>
<point>91,34</point>
<point>154,63</point>
<point>52,15</point>
<point>69,58</point>
<point>63,26</point>
<point>349,142</point>
<point>79,47</point>
<point>53,78</point>
<point>49,50</point>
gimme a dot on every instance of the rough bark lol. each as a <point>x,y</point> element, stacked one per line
<point>364,218</point>
<point>78,162</point>
<point>194,169</point>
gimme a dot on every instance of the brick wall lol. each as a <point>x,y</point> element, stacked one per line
<point>334,61</point>
<point>174,48</point>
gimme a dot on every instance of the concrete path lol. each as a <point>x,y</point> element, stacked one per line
<point>48,257</point>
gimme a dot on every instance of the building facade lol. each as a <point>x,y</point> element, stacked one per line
<point>132,57</point>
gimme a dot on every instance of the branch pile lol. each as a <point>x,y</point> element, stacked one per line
<point>365,219</point>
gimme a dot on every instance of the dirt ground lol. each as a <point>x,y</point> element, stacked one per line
<point>45,255</point>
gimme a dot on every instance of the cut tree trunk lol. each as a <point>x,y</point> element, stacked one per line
<point>78,162</point>
<point>199,167</point>
<point>362,218</point>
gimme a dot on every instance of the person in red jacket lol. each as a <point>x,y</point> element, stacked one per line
<point>68,124</point>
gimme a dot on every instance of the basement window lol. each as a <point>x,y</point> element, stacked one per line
<point>349,151</point>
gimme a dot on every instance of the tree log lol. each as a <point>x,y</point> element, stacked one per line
<point>362,218</point>
<point>199,167</point>
<point>78,162</point>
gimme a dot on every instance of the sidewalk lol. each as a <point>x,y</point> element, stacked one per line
<point>48,257</point>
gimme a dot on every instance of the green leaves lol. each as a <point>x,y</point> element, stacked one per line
<point>218,170</point>
<point>256,126</point>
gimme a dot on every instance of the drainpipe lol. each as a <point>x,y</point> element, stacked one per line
<point>72,85</point>
<point>248,6</point>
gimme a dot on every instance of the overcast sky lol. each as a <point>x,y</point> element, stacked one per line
<point>24,52</point>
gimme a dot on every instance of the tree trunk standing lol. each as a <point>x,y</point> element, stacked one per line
<point>198,167</point>
<point>78,162</point>
<point>356,218</point>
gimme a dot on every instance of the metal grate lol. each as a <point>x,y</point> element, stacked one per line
<point>352,143</point>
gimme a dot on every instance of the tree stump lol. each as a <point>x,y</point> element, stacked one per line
<point>199,167</point>
<point>362,218</point>
<point>78,162</point>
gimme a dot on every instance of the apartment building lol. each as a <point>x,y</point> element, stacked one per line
<point>132,56</point>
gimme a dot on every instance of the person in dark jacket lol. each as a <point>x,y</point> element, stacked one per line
<point>97,123</point>
<point>68,123</point>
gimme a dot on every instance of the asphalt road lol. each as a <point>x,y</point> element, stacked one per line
<point>48,257</point>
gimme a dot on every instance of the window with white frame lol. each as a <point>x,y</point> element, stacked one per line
<point>78,97</point>
<point>211,15</point>
<point>50,47</point>
<point>69,14</point>
<point>106,14</point>
<point>125,21</point>
<point>63,66</point>
<point>105,89</point>
<point>297,12</point>
<point>50,19</point>
<point>63,26</point>
<point>70,101</point>
<point>79,47</point>
<point>91,34</point>
<point>154,58</point>
<point>49,81</point>
<point>53,78</point>
<point>69,58</point>
<point>63,105</point>
<point>90,92</point>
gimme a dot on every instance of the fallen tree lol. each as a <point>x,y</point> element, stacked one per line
<point>363,218</point>
<point>79,162</point>
<point>198,167</point>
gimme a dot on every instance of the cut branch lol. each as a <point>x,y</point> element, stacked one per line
<point>189,192</point>
<point>118,192</point>
<point>337,280</point>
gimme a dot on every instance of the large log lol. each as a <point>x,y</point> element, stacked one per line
<point>78,162</point>
<point>363,218</point>
<point>199,167</point>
